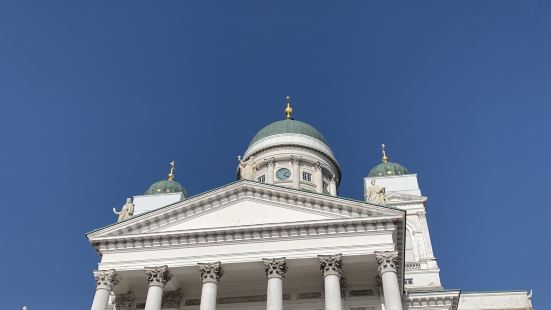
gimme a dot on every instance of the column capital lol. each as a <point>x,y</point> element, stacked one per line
<point>158,276</point>
<point>295,160</point>
<point>387,261</point>
<point>330,264</point>
<point>106,279</point>
<point>270,161</point>
<point>318,165</point>
<point>211,272</point>
<point>275,267</point>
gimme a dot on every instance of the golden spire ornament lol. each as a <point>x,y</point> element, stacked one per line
<point>171,174</point>
<point>385,158</point>
<point>288,109</point>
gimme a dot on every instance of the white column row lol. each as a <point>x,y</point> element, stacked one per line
<point>275,269</point>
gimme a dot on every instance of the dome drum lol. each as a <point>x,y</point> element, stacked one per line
<point>294,154</point>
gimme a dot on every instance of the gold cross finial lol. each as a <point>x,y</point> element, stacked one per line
<point>385,158</point>
<point>171,174</point>
<point>288,109</point>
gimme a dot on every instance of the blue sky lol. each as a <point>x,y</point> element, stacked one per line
<point>97,97</point>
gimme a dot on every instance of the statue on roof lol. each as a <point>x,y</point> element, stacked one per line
<point>126,212</point>
<point>376,194</point>
<point>246,168</point>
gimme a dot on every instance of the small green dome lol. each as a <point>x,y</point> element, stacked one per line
<point>386,169</point>
<point>288,125</point>
<point>166,186</point>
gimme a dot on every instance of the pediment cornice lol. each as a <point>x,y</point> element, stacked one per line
<point>202,203</point>
<point>262,233</point>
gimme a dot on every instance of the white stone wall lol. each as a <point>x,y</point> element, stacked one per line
<point>403,192</point>
<point>146,203</point>
<point>517,300</point>
<point>309,161</point>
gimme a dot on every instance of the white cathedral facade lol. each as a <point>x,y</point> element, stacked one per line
<point>280,237</point>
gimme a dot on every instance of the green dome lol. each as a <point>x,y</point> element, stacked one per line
<point>166,186</point>
<point>288,126</point>
<point>386,169</point>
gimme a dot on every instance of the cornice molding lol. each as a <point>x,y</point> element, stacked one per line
<point>433,299</point>
<point>194,206</point>
<point>312,229</point>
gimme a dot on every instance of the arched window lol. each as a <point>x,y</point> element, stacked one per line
<point>411,255</point>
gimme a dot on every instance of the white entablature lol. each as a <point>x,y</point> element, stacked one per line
<point>246,212</point>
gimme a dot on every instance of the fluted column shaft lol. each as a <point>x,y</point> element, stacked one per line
<point>319,178</point>
<point>270,173</point>
<point>157,277</point>
<point>295,162</point>
<point>331,268</point>
<point>387,265</point>
<point>105,281</point>
<point>210,275</point>
<point>275,270</point>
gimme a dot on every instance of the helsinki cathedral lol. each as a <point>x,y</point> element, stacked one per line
<point>280,237</point>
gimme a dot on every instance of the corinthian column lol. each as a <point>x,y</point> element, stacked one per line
<point>295,162</point>
<point>105,281</point>
<point>331,268</point>
<point>270,174</point>
<point>275,270</point>
<point>157,277</point>
<point>210,275</point>
<point>387,264</point>
<point>319,177</point>
<point>333,187</point>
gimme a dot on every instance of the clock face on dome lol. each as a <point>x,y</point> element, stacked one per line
<point>283,174</point>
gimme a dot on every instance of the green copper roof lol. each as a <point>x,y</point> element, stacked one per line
<point>166,186</point>
<point>288,126</point>
<point>386,169</point>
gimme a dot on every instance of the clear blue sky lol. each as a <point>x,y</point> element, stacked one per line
<point>97,97</point>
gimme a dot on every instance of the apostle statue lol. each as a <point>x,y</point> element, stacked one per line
<point>246,168</point>
<point>126,212</point>
<point>376,194</point>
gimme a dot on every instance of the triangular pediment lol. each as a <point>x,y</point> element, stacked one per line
<point>245,204</point>
<point>248,212</point>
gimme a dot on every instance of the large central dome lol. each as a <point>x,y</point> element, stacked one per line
<point>289,132</point>
<point>291,153</point>
<point>288,126</point>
